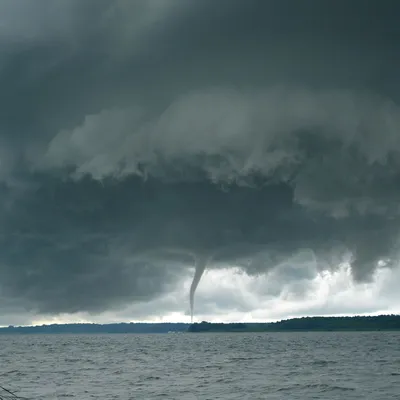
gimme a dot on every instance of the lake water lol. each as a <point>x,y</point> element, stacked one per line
<point>203,366</point>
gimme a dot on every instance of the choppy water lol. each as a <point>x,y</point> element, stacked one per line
<point>203,366</point>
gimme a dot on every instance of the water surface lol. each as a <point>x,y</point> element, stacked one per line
<point>203,366</point>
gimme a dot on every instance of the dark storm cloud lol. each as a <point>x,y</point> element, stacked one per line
<point>137,137</point>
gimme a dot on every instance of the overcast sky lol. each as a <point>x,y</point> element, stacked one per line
<point>254,142</point>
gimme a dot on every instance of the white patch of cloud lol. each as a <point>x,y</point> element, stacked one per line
<point>229,294</point>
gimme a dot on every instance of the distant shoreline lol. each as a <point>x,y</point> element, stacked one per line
<point>306,324</point>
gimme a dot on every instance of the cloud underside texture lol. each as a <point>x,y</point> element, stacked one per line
<point>138,140</point>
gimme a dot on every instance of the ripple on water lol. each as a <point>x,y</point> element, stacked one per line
<point>246,366</point>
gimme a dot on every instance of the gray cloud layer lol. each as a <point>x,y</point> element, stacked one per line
<point>137,136</point>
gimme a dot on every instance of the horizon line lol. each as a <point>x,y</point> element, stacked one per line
<point>197,322</point>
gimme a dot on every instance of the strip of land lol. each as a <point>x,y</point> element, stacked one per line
<point>306,324</point>
<point>318,324</point>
